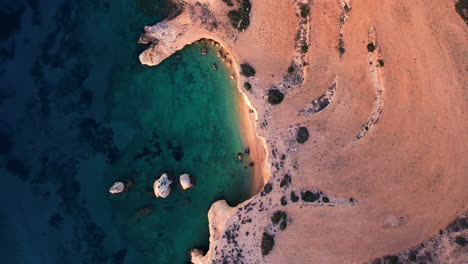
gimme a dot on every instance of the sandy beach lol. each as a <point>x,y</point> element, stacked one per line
<point>382,96</point>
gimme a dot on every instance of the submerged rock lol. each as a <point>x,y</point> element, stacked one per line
<point>162,186</point>
<point>185,181</point>
<point>117,187</point>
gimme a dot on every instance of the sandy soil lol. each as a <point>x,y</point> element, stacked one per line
<point>393,137</point>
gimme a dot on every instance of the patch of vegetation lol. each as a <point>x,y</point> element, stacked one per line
<point>347,8</point>
<point>294,197</point>
<point>290,69</point>
<point>459,6</point>
<point>228,2</point>
<point>302,135</point>
<point>305,10</point>
<point>283,225</point>
<point>275,96</point>
<point>381,63</point>
<point>304,48</point>
<point>283,201</point>
<point>247,70</point>
<point>309,196</point>
<point>247,86</point>
<point>240,18</point>
<point>268,188</point>
<point>391,259</point>
<point>276,217</point>
<point>371,47</point>
<point>285,181</point>
<point>325,199</point>
<point>412,258</point>
<point>341,48</point>
<point>268,242</point>
<point>460,241</point>
<point>235,17</point>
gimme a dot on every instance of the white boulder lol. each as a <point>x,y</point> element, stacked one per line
<point>117,187</point>
<point>162,186</point>
<point>185,181</point>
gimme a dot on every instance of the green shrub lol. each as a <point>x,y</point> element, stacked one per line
<point>275,96</point>
<point>305,10</point>
<point>283,225</point>
<point>391,259</point>
<point>247,86</point>
<point>412,258</point>
<point>459,6</point>
<point>341,48</point>
<point>268,188</point>
<point>234,16</point>
<point>371,47</point>
<point>302,135</point>
<point>290,69</point>
<point>247,70</point>
<point>309,196</point>
<point>325,199</point>
<point>276,217</point>
<point>460,241</point>
<point>381,63</point>
<point>285,181</point>
<point>294,197</point>
<point>283,201</point>
<point>268,242</point>
<point>304,48</point>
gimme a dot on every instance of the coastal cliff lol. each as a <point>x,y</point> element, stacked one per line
<point>327,70</point>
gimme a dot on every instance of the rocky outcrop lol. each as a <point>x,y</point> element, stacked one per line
<point>185,181</point>
<point>117,187</point>
<point>162,186</point>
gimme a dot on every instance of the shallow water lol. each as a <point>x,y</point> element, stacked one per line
<point>78,112</point>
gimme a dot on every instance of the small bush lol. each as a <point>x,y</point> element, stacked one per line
<point>381,63</point>
<point>247,70</point>
<point>276,217</point>
<point>247,86</point>
<point>302,135</point>
<point>304,48</point>
<point>283,201</point>
<point>325,199</point>
<point>234,16</point>
<point>341,48</point>
<point>285,181</point>
<point>391,259</point>
<point>268,242</point>
<point>294,197</point>
<point>268,188</point>
<point>460,241</point>
<point>283,225</point>
<point>412,258</point>
<point>275,96</point>
<point>309,196</point>
<point>459,6</point>
<point>371,47</point>
<point>305,10</point>
<point>290,69</point>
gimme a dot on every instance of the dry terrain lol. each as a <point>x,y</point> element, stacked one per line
<point>385,164</point>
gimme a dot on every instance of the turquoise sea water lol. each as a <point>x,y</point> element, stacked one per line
<point>78,112</point>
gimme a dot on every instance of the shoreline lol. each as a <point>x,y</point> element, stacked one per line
<point>257,145</point>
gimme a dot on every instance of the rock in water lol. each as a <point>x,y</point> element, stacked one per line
<point>162,186</point>
<point>185,181</point>
<point>117,187</point>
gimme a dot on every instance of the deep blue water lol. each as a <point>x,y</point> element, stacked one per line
<point>78,112</point>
